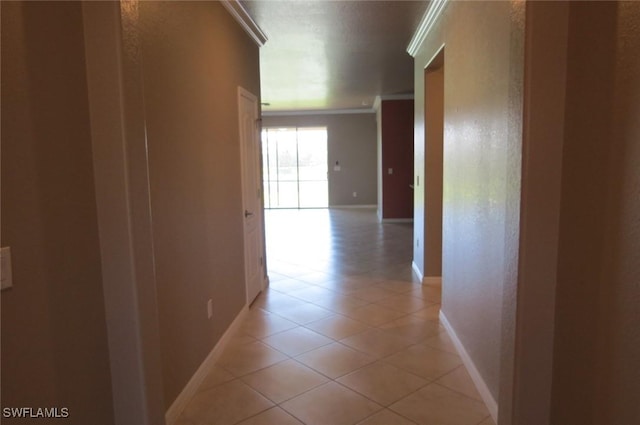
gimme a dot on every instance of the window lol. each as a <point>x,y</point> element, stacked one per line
<point>295,167</point>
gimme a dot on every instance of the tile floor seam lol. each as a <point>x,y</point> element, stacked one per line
<point>456,391</point>
<point>278,403</point>
<point>367,269</point>
<point>392,402</point>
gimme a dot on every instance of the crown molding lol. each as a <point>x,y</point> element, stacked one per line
<point>427,23</point>
<point>379,99</point>
<point>240,14</point>
<point>317,112</point>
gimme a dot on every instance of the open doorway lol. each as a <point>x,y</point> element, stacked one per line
<point>433,187</point>
<point>295,167</point>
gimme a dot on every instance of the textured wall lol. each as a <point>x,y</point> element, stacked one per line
<point>54,342</point>
<point>194,57</point>
<point>482,142</point>
<point>597,342</point>
<point>352,142</point>
<point>433,169</point>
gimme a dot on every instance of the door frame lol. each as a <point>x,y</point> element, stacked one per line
<point>242,92</point>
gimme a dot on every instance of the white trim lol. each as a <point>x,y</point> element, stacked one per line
<point>427,23</point>
<point>300,112</point>
<point>481,386</point>
<point>416,270</point>
<point>377,102</point>
<point>353,206</point>
<point>430,64</point>
<point>432,280</point>
<point>240,14</point>
<point>244,93</point>
<point>187,393</point>
<point>397,220</point>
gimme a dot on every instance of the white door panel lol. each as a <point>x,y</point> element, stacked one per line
<point>251,193</point>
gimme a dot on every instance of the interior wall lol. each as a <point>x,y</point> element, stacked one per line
<point>434,134</point>
<point>351,142</point>
<point>121,174</point>
<point>194,56</point>
<point>379,159</point>
<point>397,155</point>
<point>526,381</point>
<point>597,341</point>
<point>54,340</point>
<point>482,145</point>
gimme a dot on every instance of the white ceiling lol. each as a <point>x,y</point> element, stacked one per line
<point>327,54</point>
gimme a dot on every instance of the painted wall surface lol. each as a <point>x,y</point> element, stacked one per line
<point>482,145</point>
<point>525,386</point>
<point>54,342</point>
<point>433,168</point>
<point>597,339</point>
<point>379,159</point>
<point>194,58</point>
<point>397,154</point>
<point>351,142</point>
<point>121,174</point>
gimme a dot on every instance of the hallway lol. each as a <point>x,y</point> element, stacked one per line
<point>343,335</point>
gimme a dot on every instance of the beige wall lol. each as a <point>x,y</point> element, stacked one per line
<point>527,348</point>
<point>482,144</point>
<point>119,145</point>
<point>54,342</point>
<point>379,161</point>
<point>434,135</point>
<point>194,58</point>
<point>351,141</point>
<point>596,379</point>
<point>181,89</point>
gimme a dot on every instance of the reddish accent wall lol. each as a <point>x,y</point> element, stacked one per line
<point>397,153</point>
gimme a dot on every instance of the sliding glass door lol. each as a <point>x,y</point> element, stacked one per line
<point>295,167</point>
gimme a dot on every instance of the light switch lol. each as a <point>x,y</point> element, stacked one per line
<point>5,268</point>
<point>390,171</point>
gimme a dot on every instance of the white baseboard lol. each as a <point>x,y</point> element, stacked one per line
<point>187,393</point>
<point>353,206</point>
<point>417,271</point>
<point>481,386</point>
<point>397,220</point>
<point>432,280</point>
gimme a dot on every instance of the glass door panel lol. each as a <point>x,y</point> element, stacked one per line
<point>295,167</point>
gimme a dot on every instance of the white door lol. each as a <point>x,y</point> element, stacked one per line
<point>251,193</point>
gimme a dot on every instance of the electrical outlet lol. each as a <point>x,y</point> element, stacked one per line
<point>210,308</point>
<point>5,268</point>
<point>355,194</point>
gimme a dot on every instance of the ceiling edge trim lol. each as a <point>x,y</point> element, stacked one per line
<point>318,112</point>
<point>379,99</point>
<point>427,23</point>
<point>397,96</point>
<point>245,20</point>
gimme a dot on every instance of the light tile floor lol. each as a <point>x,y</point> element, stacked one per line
<point>345,334</point>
